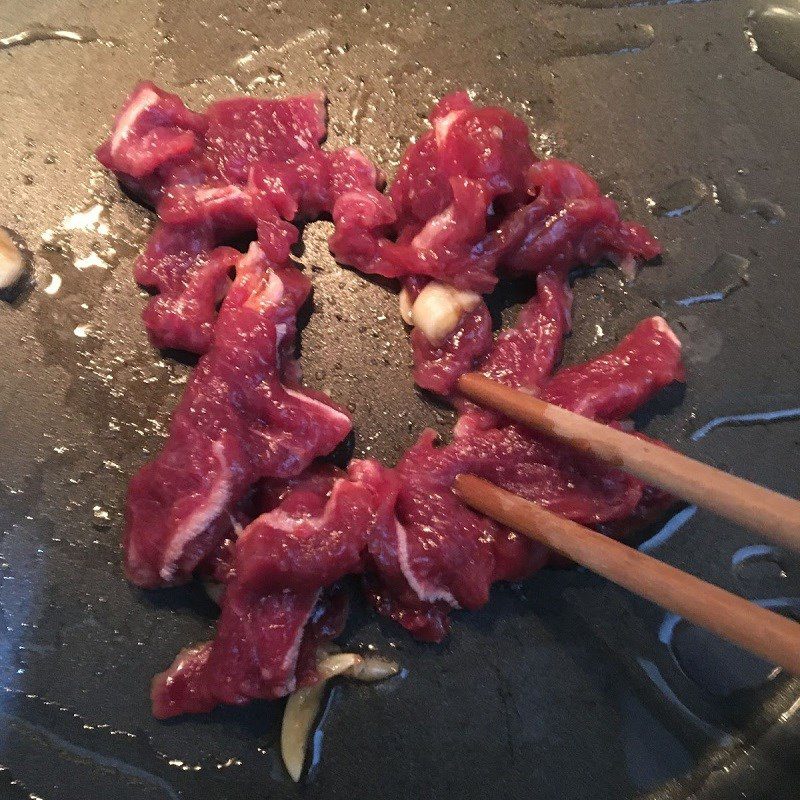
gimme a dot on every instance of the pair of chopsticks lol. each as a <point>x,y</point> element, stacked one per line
<point>777,517</point>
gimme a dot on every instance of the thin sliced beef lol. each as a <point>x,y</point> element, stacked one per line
<point>525,356</point>
<point>613,386</point>
<point>153,129</point>
<point>471,199</point>
<point>276,608</point>
<point>243,130</point>
<point>245,167</point>
<point>437,367</point>
<point>236,423</point>
<point>447,554</point>
<point>486,145</point>
<point>569,223</point>
<point>191,277</point>
<point>262,645</point>
<point>157,143</point>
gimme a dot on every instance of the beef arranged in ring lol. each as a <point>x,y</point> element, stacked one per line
<point>237,496</point>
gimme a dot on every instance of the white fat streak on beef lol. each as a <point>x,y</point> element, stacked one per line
<point>213,505</point>
<point>442,126</point>
<point>426,592</point>
<point>124,126</point>
<point>288,523</point>
<point>434,228</point>
<point>219,497</point>
<point>263,294</point>
<point>217,194</point>
<point>332,415</point>
<point>442,222</point>
<point>289,661</point>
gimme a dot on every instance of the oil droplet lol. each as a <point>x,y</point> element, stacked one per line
<point>102,519</point>
<point>732,198</point>
<point>40,33</point>
<point>182,765</point>
<point>757,563</point>
<point>767,209</point>
<point>714,664</point>
<point>727,274</point>
<point>701,342</point>
<point>679,198</point>
<point>621,39</point>
<point>92,260</point>
<point>54,285</point>
<point>774,34</point>
<point>86,220</point>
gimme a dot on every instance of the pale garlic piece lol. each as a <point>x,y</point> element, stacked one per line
<point>326,649</point>
<point>12,264</point>
<point>406,306</point>
<point>439,308</point>
<point>302,709</point>
<point>371,670</point>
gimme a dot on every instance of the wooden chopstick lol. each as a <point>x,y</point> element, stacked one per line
<point>775,516</point>
<point>763,632</point>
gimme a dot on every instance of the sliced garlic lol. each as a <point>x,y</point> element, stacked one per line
<point>12,263</point>
<point>370,670</point>
<point>302,709</point>
<point>406,304</point>
<point>337,664</point>
<point>326,649</point>
<point>439,308</point>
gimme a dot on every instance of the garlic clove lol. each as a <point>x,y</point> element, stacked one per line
<point>370,670</point>
<point>406,306</point>
<point>302,709</point>
<point>438,310</point>
<point>467,300</point>
<point>12,264</point>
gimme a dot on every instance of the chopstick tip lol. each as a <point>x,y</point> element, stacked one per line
<point>465,485</point>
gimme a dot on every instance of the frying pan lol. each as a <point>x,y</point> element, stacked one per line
<point>563,686</point>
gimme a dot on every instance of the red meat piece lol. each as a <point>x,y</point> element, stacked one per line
<point>614,385</point>
<point>307,185</point>
<point>442,553</point>
<point>236,423</point>
<point>191,277</point>
<point>471,199</point>
<point>526,355</point>
<point>264,649</point>
<point>153,128</point>
<point>243,130</point>
<point>271,619</point>
<point>438,367</point>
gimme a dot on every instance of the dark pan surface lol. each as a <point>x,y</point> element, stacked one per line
<point>560,687</point>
